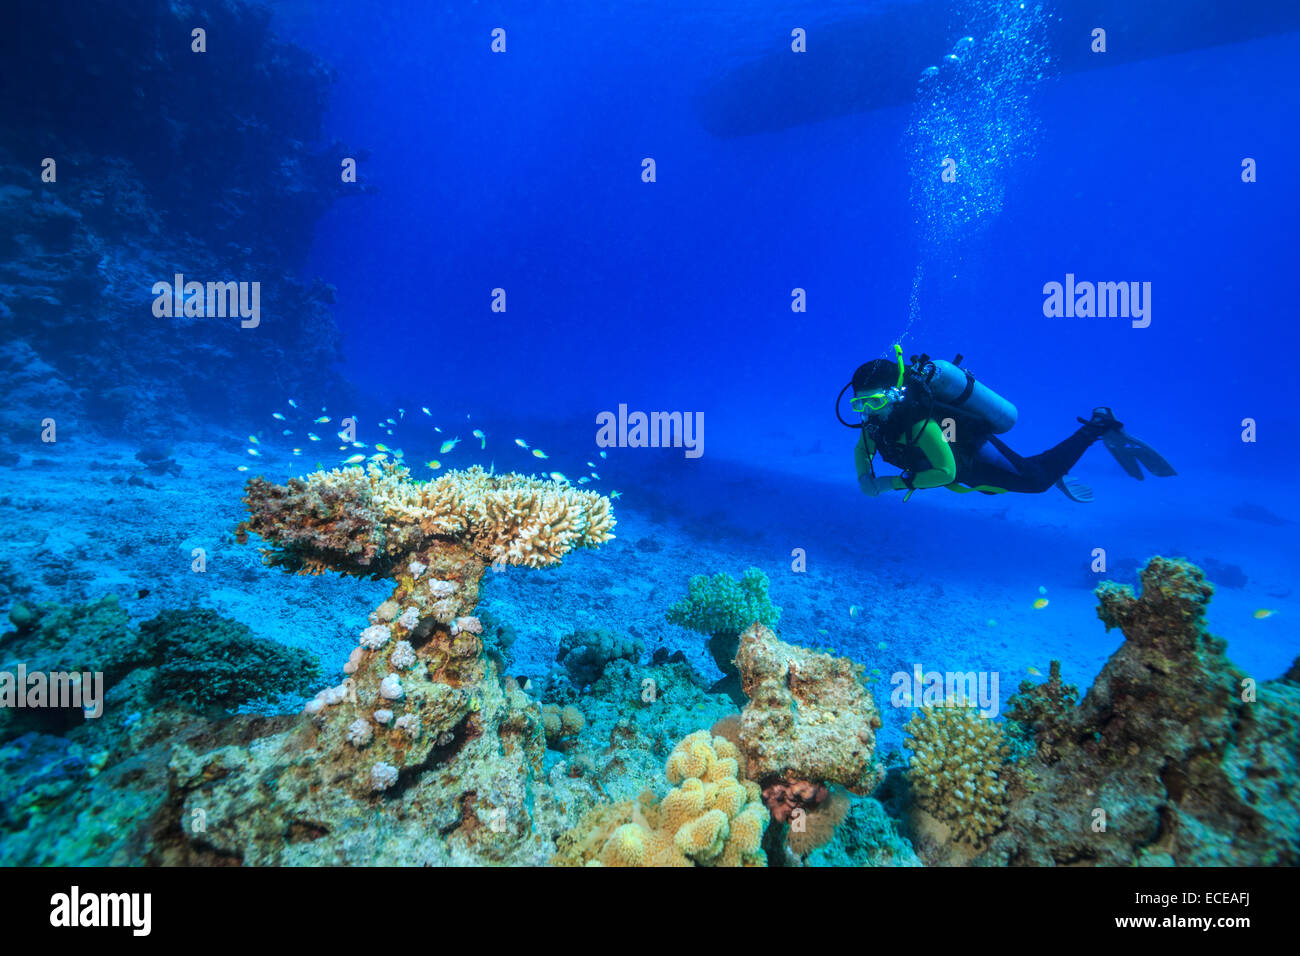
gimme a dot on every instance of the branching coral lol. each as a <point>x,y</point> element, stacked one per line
<point>956,769</point>
<point>713,817</point>
<point>366,521</point>
<point>722,608</point>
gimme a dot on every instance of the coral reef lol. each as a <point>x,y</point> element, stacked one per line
<point>423,739</point>
<point>213,664</point>
<point>722,608</point>
<point>1172,757</point>
<point>712,817</point>
<point>1039,711</point>
<point>956,770</point>
<point>810,716</point>
<point>584,654</point>
<point>561,722</point>
<point>370,521</point>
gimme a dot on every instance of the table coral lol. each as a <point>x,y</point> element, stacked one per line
<point>373,520</point>
<point>956,770</point>
<point>458,747</point>
<point>712,817</point>
<point>722,608</point>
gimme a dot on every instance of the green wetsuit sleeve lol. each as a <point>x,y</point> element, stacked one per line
<point>863,452</point>
<point>928,437</point>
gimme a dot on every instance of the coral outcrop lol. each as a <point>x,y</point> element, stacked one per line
<point>810,716</point>
<point>1173,757</point>
<point>712,817</point>
<point>1039,711</point>
<point>423,739</point>
<point>956,770</point>
<point>584,654</point>
<point>722,607</point>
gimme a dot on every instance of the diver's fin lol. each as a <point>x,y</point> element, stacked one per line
<point>1133,453</point>
<point>1075,490</point>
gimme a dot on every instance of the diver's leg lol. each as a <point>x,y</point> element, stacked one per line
<point>1044,470</point>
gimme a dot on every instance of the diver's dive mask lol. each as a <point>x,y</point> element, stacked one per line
<point>876,401</point>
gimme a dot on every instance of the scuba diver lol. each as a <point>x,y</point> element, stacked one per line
<point>939,426</point>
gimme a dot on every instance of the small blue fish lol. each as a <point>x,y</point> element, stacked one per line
<point>449,444</point>
<point>277,415</point>
<point>293,403</point>
<point>313,436</point>
<point>603,455</point>
<point>323,420</point>
<point>425,410</point>
<point>558,476</point>
<point>254,451</point>
<point>434,464</point>
<point>401,413</point>
<point>241,468</point>
<point>355,460</point>
<point>616,494</point>
<point>521,443</point>
<point>286,432</point>
<point>538,453</point>
<point>482,439</point>
<point>253,439</point>
<point>297,451</point>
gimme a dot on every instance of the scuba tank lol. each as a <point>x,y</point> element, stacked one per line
<point>956,387</point>
<point>936,386</point>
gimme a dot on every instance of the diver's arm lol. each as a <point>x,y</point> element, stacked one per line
<point>928,437</point>
<point>863,453</point>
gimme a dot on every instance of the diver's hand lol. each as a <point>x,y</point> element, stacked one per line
<point>874,486</point>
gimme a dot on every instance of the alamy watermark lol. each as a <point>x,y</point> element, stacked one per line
<point>1103,300</point>
<point>653,430</point>
<point>83,690</point>
<point>922,688</point>
<point>214,300</point>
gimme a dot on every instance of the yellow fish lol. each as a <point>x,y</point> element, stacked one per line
<point>253,439</point>
<point>538,453</point>
<point>521,443</point>
<point>1035,671</point>
<point>355,460</point>
<point>1263,613</point>
<point>380,446</point>
<point>482,439</point>
<point>1040,604</point>
<point>434,464</point>
<point>449,444</point>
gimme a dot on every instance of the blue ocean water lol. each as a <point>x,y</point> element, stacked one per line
<point>503,263</point>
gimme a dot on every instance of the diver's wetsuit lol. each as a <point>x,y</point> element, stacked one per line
<point>986,465</point>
